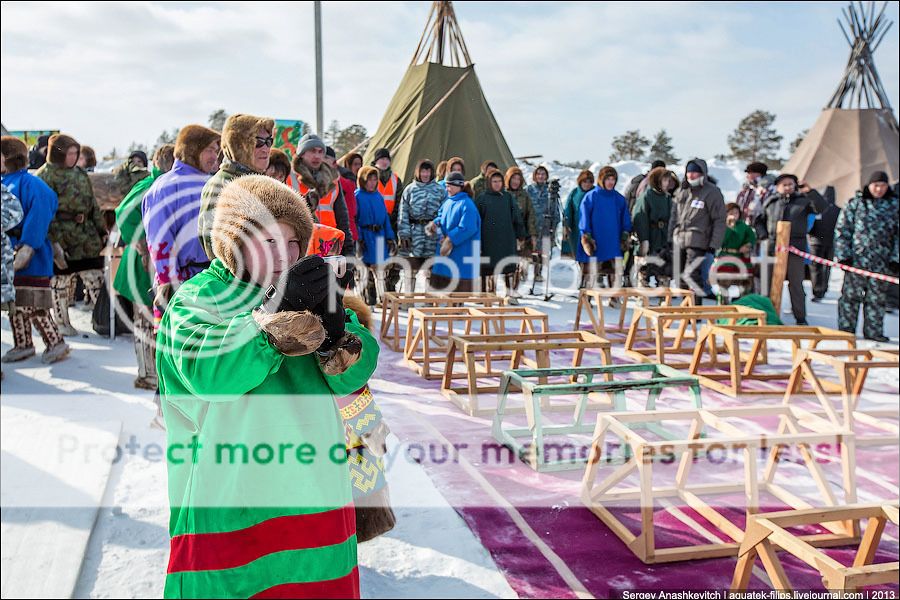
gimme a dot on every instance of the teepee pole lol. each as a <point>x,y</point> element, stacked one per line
<point>433,109</point>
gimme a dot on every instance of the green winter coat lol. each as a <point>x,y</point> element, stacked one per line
<point>650,219</point>
<point>76,197</point>
<point>133,280</point>
<point>256,451</point>
<point>571,214</point>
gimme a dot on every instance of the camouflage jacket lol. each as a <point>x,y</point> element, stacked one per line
<point>78,226</point>
<point>127,175</point>
<point>12,216</point>
<point>867,232</point>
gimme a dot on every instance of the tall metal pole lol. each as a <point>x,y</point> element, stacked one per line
<point>320,118</point>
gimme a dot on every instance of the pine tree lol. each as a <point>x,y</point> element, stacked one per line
<point>217,119</point>
<point>112,154</point>
<point>331,134</point>
<point>661,148</point>
<point>798,140</point>
<point>631,145</point>
<point>349,138</point>
<point>167,137</point>
<point>137,147</point>
<point>755,139</point>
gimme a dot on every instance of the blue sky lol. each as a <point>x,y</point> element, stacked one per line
<point>562,78</point>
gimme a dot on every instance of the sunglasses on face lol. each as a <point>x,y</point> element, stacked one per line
<point>264,141</point>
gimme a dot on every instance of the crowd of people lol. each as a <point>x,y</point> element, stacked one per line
<point>237,259</point>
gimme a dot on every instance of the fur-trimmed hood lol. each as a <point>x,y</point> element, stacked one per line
<point>363,174</point>
<point>239,137</point>
<point>605,172</point>
<point>424,163</point>
<point>255,201</point>
<point>57,148</point>
<point>279,160</point>
<point>655,178</point>
<point>509,175</point>
<point>191,141</point>
<point>456,160</point>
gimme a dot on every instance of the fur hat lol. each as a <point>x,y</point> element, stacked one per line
<point>279,160</point>
<point>456,161</point>
<point>585,175</point>
<point>239,137</point>
<point>347,162</point>
<point>657,163</point>
<point>364,174</point>
<point>382,153</point>
<point>255,201</point>
<point>191,141</point>
<point>15,153</point>
<point>605,172</point>
<point>509,175</point>
<point>58,146</point>
<point>164,157</point>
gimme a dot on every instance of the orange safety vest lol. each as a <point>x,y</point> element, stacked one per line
<point>325,209</point>
<point>325,241</point>
<point>389,192</point>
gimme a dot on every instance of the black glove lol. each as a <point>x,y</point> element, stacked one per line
<point>332,320</point>
<point>846,262</point>
<point>894,266</point>
<point>304,286</point>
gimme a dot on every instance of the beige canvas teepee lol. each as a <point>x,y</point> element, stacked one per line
<point>439,110</point>
<point>857,132</point>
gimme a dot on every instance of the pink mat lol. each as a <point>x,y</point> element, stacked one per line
<point>549,505</point>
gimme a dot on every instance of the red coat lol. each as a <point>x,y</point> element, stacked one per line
<point>349,188</point>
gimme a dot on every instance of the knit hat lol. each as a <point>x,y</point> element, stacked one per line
<point>693,167</point>
<point>252,202</point>
<point>364,174</point>
<point>784,176</point>
<point>191,141</point>
<point>382,153</point>
<point>657,164</point>
<point>605,172</point>
<point>456,179</point>
<point>879,177</point>
<point>15,153</point>
<point>58,146</point>
<point>757,167</point>
<point>308,142</point>
<point>329,151</point>
<point>239,137</point>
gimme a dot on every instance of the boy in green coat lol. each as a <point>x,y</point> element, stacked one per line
<point>251,354</point>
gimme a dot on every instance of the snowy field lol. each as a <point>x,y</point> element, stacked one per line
<point>431,553</point>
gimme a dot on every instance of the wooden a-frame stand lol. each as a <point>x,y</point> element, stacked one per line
<point>852,368</point>
<point>479,354</point>
<point>429,330</point>
<point>767,533</point>
<point>727,430</point>
<point>394,302</point>
<point>730,377</point>
<point>674,330</point>
<point>590,301</point>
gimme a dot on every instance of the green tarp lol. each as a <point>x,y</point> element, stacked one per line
<point>462,126</point>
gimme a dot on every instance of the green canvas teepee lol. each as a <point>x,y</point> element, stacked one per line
<point>439,110</point>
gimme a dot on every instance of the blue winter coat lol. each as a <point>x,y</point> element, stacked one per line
<point>604,216</point>
<point>374,225</point>
<point>39,203</point>
<point>459,220</point>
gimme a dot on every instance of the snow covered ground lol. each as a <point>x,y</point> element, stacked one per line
<point>431,553</point>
